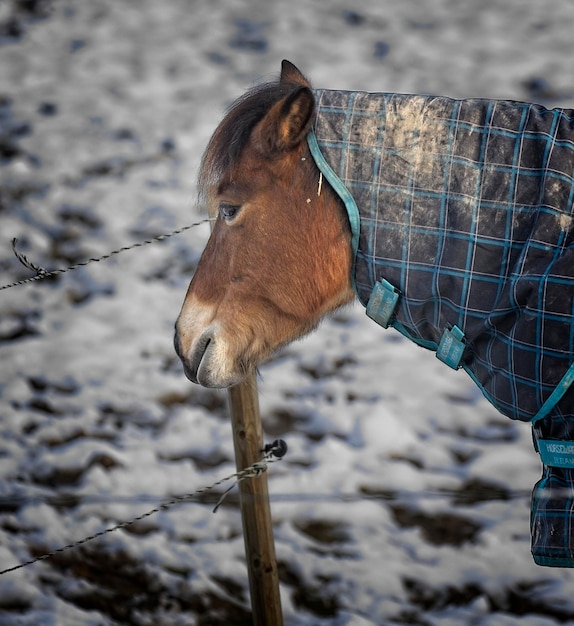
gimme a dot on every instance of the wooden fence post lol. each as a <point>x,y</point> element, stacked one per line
<point>255,509</point>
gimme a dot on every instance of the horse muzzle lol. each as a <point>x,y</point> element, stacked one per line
<point>202,363</point>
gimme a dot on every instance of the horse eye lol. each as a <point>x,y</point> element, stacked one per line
<point>228,211</point>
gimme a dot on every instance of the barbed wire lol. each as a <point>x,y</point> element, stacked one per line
<point>272,452</point>
<point>42,273</point>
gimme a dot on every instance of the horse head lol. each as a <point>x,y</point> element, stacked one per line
<point>279,256</point>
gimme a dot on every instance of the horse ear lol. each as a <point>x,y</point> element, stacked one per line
<point>286,124</point>
<point>291,74</point>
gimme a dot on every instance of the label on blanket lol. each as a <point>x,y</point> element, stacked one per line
<point>556,453</point>
<point>451,347</point>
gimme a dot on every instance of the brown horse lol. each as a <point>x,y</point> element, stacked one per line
<point>279,257</point>
<point>451,220</point>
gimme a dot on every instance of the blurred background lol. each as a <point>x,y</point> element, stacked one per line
<point>404,498</point>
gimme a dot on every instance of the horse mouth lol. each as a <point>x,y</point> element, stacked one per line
<point>203,365</point>
<point>196,369</point>
<point>190,375</point>
<point>192,365</point>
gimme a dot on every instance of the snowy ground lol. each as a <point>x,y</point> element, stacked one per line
<point>404,498</point>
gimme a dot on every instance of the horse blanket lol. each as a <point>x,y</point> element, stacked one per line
<point>462,215</point>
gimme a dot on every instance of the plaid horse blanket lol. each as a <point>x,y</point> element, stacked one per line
<point>462,214</point>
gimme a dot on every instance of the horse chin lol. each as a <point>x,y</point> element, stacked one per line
<point>217,378</point>
<point>213,367</point>
<point>205,376</point>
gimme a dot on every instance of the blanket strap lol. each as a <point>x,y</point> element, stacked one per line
<point>555,453</point>
<point>381,308</point>
<point>340,190</point>
<point>556,395</point>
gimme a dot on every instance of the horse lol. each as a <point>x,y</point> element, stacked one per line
<point>452,221</point>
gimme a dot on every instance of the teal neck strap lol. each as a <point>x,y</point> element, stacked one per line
<point>343,193</point>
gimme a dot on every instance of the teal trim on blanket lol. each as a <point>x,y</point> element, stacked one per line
<point>556,395</point>
<point>547,561</point>
<point>343,193</point>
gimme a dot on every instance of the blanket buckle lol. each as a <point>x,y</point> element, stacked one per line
<point>382,303</point>
<point>451,347</point>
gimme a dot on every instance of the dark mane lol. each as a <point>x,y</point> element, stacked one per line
<point>232,134</point>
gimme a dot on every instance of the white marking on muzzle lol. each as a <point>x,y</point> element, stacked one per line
<point>204,340</point>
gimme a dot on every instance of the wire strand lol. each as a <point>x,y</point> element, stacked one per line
<point>272,454</point>
<point>42,273</point>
